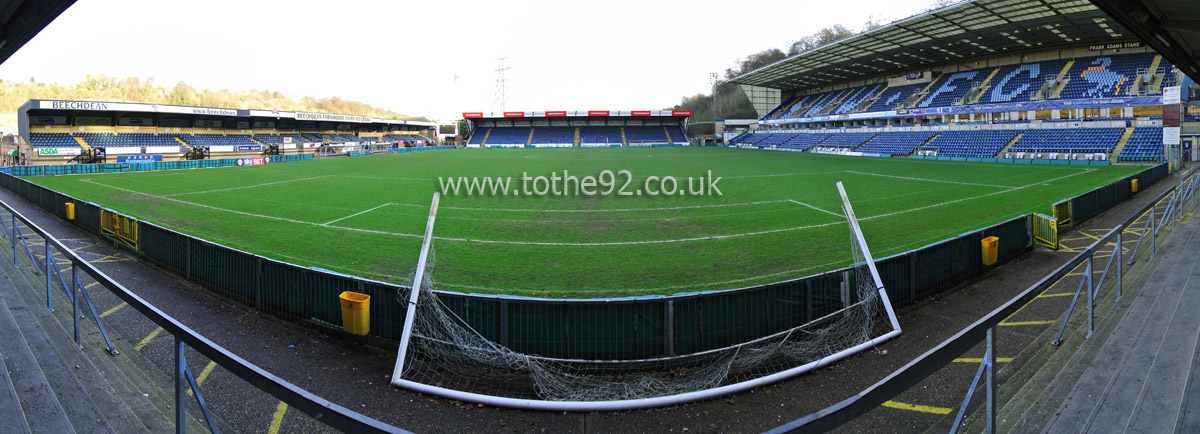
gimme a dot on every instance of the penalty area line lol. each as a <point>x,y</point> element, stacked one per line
<point>246,186</point>
<point>356,214</point>
<point>813,207</point>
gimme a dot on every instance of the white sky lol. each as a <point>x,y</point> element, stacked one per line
<point>400,55</point>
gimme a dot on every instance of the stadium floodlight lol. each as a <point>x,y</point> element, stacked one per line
<point>441,354</point>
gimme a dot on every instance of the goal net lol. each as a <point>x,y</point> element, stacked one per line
<point>444,356</point>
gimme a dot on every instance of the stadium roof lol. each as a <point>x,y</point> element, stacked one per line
<point>21,20</point>
<point>1172,27</point>
<point>961,32</point>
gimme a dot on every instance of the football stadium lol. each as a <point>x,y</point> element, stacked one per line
<point>975,218</point>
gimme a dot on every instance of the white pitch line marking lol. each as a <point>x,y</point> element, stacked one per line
<point>813,207</point>
<point>388,178</point>
<point>244,186</point>
<point>928,180</point>
<point>716,205</point>
<point>356,214</point>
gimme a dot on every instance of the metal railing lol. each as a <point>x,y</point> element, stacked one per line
<point>321,409</point>
<point>984,329</point>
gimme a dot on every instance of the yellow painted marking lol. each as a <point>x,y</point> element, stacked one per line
<point>1025,323</point>
<point>101,261</point>
<point>1061,294</point>
<point>277,419</point>
<point>90,285</point>
<point>148,338</point>
<point>114,309</point>
<point>1052,285</point>
<point>980,360</point>
<point>903,406</point>
<point>203,375</point>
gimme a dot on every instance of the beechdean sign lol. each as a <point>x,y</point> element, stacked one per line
<point>133,107</point>
<point>303,116</point>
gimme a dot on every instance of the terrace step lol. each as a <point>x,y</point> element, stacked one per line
<point>124,387</point>
<point>1156,84</point>
<point>1046,374</point>
<point>33,401</point>
<point>983,87</point>
<point>10,409</point>
<point>1116,152</point>
<point>1134,380</point>
<point>1010,144</point>
<point>82,143</point>
<point>1063,79</point>
<point>51,398</point>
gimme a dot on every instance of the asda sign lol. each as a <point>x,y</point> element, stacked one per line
<point>58,151</point>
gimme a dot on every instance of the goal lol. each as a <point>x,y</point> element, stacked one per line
<point>441,355</point>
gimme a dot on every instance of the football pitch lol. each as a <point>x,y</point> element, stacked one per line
<point>778,215</point>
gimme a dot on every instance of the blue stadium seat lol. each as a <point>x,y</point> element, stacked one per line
<point>509,136</point>
<point>553,135</point>
<point>897,143</point>
<point>52,140</point>
<point>1145,144</point>
<point>1069,140</point>
<point>972,144</point>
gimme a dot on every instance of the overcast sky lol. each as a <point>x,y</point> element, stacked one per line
<point>404,56</point>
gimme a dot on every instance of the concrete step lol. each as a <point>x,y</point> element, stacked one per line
<point>41,409</point>
<point>144,390</point>
<point>1041,375</point>
<point>10,404</point>
<point>1111,394</point>
<point>95,363</point>
<point>1051,373</point>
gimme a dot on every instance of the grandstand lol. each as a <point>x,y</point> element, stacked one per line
<point>556,129</point>
<point>1079,89</point>
<point>58,131</point>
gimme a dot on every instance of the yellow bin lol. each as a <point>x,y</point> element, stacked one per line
<point>356,313</point>
<point>70,210</point>
<point>990,246</point>
<point>1133,185</point>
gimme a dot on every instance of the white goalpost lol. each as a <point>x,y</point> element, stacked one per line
<point>441,355</point>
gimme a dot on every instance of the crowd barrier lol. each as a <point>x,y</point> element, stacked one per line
<point>608,329</point>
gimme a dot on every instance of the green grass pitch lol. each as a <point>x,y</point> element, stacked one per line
<point>779,216</point>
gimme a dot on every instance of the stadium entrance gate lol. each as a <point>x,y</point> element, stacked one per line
<point>1045,230</point>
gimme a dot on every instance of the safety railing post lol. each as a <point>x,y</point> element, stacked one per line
<point>1153,231</point>
<point>1120,261</point>
<point>180,403</point>
<point>1091,297</point>
<point>14,239</point>
<point>75,303</point>
<point>48,295</point>
<point>991,380</point>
